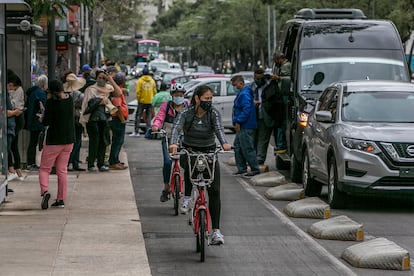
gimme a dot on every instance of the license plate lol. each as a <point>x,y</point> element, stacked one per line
<point>408,172</point>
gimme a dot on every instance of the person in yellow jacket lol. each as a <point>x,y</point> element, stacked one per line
<point>145,91</point>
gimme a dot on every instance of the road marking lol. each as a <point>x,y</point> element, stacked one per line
<point>303,235</point>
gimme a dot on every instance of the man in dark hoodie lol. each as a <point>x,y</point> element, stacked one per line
<point>36,101</point>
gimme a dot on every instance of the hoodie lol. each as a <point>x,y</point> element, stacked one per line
<point>146,89</point>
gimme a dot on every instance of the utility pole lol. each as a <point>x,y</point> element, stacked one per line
<point>51,47</point>
<point>268,35</point>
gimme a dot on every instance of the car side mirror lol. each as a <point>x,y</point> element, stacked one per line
<point>323,116</point>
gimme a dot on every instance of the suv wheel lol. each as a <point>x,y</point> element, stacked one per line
<point>336,198</point>
<point>311,187</point>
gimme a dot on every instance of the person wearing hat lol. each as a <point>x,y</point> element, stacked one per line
<point>87,75</point>
<point>59,122</point>
<point>72,84</point>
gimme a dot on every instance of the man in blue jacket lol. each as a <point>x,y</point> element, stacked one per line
<point>245,124</point>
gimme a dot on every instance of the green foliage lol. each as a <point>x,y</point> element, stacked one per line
<point>239,27</point>
<point>52,8</point>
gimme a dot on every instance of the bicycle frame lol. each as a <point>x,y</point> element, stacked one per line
<point>201,168</point>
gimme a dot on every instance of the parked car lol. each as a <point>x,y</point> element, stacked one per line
<point>360,140</point>
<point>223,96</point>
<point>186,78</point>
<point>342,44</point>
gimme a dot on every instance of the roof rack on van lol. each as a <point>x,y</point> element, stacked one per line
<point>330,14</point>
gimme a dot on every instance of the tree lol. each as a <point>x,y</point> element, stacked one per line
<point>50,10</point>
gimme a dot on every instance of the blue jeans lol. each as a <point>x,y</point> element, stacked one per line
<point>74,155</point>
<point>244,151</point>
<point>118,138</point>
<point>166,168</point>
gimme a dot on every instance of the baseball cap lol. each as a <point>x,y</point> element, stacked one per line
<point>86,67</point>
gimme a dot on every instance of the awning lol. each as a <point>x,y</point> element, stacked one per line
<point>15,5</point>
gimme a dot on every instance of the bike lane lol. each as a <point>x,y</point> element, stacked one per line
<point>259,240</point>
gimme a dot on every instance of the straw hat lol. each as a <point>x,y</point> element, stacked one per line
<point>73,83</point>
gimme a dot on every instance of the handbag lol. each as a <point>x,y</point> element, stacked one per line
<point>41,140</point>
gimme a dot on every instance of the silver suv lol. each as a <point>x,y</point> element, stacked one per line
<point>360,139</point>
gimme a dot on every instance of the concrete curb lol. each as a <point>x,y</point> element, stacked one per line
<point>337,228</point>
<point>311,207</point>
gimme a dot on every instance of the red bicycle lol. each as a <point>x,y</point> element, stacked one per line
<point>176,179</point>
<point>201,167</point>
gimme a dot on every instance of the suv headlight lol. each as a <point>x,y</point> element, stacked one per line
<point>361,145</point>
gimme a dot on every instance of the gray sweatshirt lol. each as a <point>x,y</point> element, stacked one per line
<point>198,131</point>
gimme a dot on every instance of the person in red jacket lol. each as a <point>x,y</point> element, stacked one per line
<point>118,124</point>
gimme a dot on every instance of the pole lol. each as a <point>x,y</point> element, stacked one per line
<point>268,35</point>
<point>274,30</point>
<point>51,53</point>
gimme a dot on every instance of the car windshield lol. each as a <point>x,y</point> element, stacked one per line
<point>378,106</point>
<point>350,65</point>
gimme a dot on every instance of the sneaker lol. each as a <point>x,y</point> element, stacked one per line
<point>45,200</point>
<point>32,168</point>
<point>164,196</point>
<point>118,166</point>
<point>134,134</point>
<point>12,176</point>
<point>238,173</point>
<point>58,204</point>
<point>92,169</point>
<point>280,151</point>
<point>250,174</point>
<point>185,206</point>
<point>104,169</point>
<point>217,238</point>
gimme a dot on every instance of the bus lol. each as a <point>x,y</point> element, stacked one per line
<point>147,50</point>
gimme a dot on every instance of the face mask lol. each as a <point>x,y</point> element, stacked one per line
<point>206,105</point>
<point>178,100</point>
<point>236,90</point>
<point>101,82</point>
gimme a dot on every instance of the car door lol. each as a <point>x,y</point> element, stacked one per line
<point>320,139</point>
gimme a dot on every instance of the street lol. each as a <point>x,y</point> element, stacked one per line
<point>259,238</point>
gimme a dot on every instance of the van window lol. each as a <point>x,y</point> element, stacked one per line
<point>350,65</point>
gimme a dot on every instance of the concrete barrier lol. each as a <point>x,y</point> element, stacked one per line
<point>378,253</point>
<point>337,228</point>
<point>310,207</point>
<point>269,179</point>
<point>289,191</point>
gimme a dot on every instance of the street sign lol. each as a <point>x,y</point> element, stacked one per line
<point>62,43</point>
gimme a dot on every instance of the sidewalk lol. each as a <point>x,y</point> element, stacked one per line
<point>97,233</point>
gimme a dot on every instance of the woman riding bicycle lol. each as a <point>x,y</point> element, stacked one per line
<point>164,119</point>
<point>201,123</point>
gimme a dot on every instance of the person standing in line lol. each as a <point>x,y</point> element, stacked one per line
<point>36,100</point>
<point>245,124</point>
<point>60,136</point>
<point>16,93</point>
<point>145,91</point>
<point>118,124</point>
<point>95,116</point>
<point>11,126</point>
<point>72,84</point>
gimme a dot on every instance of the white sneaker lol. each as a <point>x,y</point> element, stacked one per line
<point>133,134</point>
<point>12,176</point>
<point>216,238</point>
<point>185,206</point>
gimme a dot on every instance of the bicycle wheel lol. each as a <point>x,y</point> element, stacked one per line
<point>202,233</point>
<point>176,193</point>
